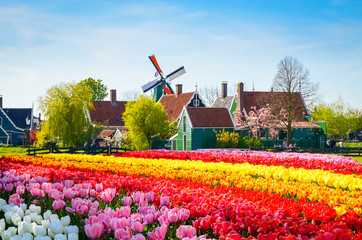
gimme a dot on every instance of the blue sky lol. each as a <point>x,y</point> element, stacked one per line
<point>44,43</point>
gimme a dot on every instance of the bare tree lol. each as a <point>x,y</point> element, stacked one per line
<point>292,79</point>
<point>130,95</point>
<point>209,94</point>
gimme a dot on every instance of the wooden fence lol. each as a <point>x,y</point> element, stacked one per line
<point>72,150</point>
<point>347,151</point>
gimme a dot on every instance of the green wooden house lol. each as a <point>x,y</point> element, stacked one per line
<point>197,126</point>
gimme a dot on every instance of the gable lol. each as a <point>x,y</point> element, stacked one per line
<point>174,104</point>
<point>105,112</point>
<point>210,117</point>
<point>7,124</point>
<point>225,102</point>
<point>195,101</point>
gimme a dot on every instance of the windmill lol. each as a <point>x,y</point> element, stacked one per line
<point>161,84</point>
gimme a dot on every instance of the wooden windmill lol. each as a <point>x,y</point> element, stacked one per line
<point>161,85</point>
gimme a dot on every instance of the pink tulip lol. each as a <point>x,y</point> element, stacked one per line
<point>124,212</point>
<point>105,219</point>
<point>93,193</point>
<point>81,210</point>
<point>158,234</point>
<point>173,215</point>
<point>56,194</point>
<point>183,214</point>
<point>94,231</point>
<point>9,187</point>
<point>36,192</point>
<point>69,194</point>
<point>68,183</point>
<point>108,195</point>
<point>148,218</point>
<point>138,197</point>
<point>186,231</point>
<point>150,196</point>
<point>47,187</point>
<point>84,192</point>
<point>58,186</point>
<point>119,223</point>
<point>127,201</point>
<point>165,201</point>
<point>138,237</point>
<point>137,227</point>
<point>123,233</point>
<point>20,189</point>
<point>99,187</point>
<point>136,217</point>
<point>15,199</point>
<point>58,205</point>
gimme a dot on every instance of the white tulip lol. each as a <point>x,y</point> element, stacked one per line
<point>27,236</point>
<point>50,233</point>
<point>24,227</point>
<point>65,220</point>
<point>56,227</point>
<point>40,231</point>
<point>27,219</point>
<point>2,225</point>
<point>15,237</point>
<point>73,236</point>
<point>23,206</point>
<point>45,223</point>
<point>47,214</point>
<point>6,235</point>
<point>35,209</point>
<point>27,212</point>
<point>54,217</point>
<point>2,202</point>
<point>60,237</point>
<point>71,229</point>
<point>20,212</point>
<point>38,219</point>
<point>16,219</point>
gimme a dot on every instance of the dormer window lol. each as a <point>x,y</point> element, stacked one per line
<point>196,102</point>
<point>117,118</point>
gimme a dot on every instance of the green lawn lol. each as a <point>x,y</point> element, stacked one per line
<point>358,158</point>
<point>6,151</point>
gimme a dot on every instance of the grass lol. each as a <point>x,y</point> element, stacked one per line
<point>358,158</point>
<point>6,151</point>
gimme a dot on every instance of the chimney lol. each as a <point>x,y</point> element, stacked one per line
<point>240,104</point>
<point>178,89</point>
<point>1,101</point>
<point>271,89</point>
<point>113,96</point>
<point>224,89</point>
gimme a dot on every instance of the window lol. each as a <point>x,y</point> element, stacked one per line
<point>185,145</point>
<point>184,124</point>
<point>174,146</point>
<point>196,102</point>
<point>117,118</point>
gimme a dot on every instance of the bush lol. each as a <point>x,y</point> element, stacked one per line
<point>246,142</point>
<point>225,139</point>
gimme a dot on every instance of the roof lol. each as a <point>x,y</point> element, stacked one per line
<point>210,117</point>
<point>258,99</point>
<point>223,102</point>
<point>105,133</point>
<point>18,116</point>
<point>107,113</point>
<point>174,104</point>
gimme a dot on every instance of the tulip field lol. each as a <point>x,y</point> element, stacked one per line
<point>161,194</point>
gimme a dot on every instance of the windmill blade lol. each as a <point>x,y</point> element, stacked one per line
<point>167,88</point>
<point>155,63</point>
<point>176,73</point>
<point>150,85</point>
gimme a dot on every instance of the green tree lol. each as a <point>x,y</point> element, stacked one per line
<point>66,110</point>
<point>99,90</point>
<point>145,119</point>
<point>341,118</point>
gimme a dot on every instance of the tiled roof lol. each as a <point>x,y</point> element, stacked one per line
<point>223,102</point>
<point>174,104</point>
<point>107,113</point>
<point>253,98</point>
<point>105,133</point>
<point>18,116</point>
<point>210,117</point>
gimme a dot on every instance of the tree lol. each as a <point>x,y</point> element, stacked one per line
<point>340,117</point>
<point>98,89</point>
<point>66,109</point>
<point>292,78</point>
<point>130,95</point>
<point>145,119</point>
<point>208,94</point>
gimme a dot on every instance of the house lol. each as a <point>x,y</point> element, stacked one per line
<point>174,103</point>
<point>197,126</point>
<point>229,102</point>
<point>109,113</point>
<point>13,124</point>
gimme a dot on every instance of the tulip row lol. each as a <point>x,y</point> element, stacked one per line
<point>314,185</point>
<point>339,164</point>
<point>229,211</point>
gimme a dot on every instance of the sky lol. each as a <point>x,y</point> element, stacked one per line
<point>45,43</point>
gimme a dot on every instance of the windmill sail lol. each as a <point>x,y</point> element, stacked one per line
<point>155,63</point>
<point>175,74</point>
<point>150,85</point>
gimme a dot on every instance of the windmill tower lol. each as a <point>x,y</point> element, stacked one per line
<point>161,85</point>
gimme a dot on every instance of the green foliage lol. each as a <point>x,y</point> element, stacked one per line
<point>99,90</point>
<point>341,118</point>
<point>7,150</point>
<point>348,144</point>
<point>66,109</point>
<point>145,119</point>
<point>225,139</point>
<point>246,142</point>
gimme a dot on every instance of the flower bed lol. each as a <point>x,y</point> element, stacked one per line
<point>177,198</point>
